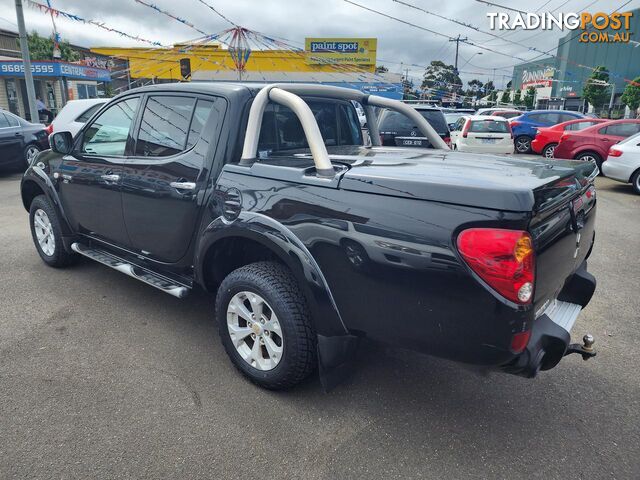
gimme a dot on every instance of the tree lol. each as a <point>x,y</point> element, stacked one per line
<point>381,69</point>
<point>506,97</point>
<point>631,95</point>
<point>440,76</point>
<point>596,88</point>
<point>489,87</point>
<point>493,97</point>
<point>509,85</point>
<point>475,86</point>
<point>529,97</point>
<point>41,48</point>
<point>517,98</point>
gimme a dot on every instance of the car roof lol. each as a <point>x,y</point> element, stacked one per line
<point>571,112</point>
<point>485,117</point>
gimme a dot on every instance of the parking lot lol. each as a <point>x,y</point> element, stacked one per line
<point>104,377</point>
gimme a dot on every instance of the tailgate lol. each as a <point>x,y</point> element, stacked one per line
<point>563,233</point>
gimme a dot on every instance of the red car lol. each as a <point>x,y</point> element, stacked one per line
<point>593,143</point>
<point>506,113</point>
<point>548,138</point>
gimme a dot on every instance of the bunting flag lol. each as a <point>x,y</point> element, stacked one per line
<point>170,15</point>
<point>60,13</point>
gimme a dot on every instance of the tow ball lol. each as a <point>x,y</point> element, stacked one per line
<point>586,349</point>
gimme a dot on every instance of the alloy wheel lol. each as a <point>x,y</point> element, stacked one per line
<point>523,144</point>
<point>549,151</point>
<point>255,330</point>
<point>31,153</point>
<point>44,232</point>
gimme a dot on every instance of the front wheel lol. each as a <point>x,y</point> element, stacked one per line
<point>548,151</point>
<point>47,233</point>
<point>265,326</point>
<point>523,144</point>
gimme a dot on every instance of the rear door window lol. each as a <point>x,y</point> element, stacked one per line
<point>579,125</point>
<point>622,129</point>
<point>165,126</point>
<point>488,126</point>
<point>4,121</point>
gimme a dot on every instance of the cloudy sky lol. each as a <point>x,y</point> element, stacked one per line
<point>297,19</point>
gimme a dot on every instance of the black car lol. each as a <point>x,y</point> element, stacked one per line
<point>398,130</point>
<point>266,198</point>
<point>20,141</point>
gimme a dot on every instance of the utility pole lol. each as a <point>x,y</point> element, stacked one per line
<point>457,40</point>
<point>613,94</point>
<point>26,63</point>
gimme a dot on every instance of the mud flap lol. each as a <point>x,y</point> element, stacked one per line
<point>335,359</point>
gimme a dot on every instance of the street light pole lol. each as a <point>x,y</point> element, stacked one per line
<point>26,63</point>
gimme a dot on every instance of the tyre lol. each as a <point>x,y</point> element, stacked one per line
<point>30,152</point>
<point>635,182</point>
<point>547,151</point>
<point>523,144</point>
<point>591,157</point>
<point>265,326</point>
<point>47,233</point>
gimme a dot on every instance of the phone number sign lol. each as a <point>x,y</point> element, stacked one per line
<point>55,69</point>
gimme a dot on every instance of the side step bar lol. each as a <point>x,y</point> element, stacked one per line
<point>134,271</point>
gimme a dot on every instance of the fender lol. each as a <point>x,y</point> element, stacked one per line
<point>38,176</point>
<point>336,345</point>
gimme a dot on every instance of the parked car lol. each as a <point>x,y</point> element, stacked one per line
<point>623,162</point>
<point>482,134</point>
<point>547,138</point>
<point>593,143</point>
<point>397,129</point>
<point>20,141</point>
<point>75,114</point>
<point>525,126</point>
<point>231,188</point>
<point>506,113</point>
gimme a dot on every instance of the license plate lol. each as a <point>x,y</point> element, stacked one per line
<point>489,140</point>
<point>409,142</point>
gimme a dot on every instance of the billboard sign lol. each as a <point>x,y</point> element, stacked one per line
<point>55,69</point>
<point>541,77</point>
<point>350,51</point>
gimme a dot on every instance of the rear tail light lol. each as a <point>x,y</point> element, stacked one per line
<point>49,129</point>
<point>465,130</point>
<point>447,140</point>
<point>504,259</point>
<point>615,152</point>
<point>514,123</point>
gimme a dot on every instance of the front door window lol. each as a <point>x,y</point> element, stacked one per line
<point>108,134</point>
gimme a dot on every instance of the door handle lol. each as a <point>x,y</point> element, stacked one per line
<point>183,185</point>
<point>110,177</point>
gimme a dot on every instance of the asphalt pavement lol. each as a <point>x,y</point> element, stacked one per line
<point>104,377</point>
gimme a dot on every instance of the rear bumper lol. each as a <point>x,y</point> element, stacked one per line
<point>550,335</point>
<point>537,145</point>
<point>617,171</point>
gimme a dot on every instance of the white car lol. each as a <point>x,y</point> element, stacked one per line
<point>75,114</point>
<point>482,134</point>
<point>623,162</point>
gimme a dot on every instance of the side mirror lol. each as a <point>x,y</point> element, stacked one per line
<point>61,142</point>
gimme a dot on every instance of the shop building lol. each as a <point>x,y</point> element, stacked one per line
<point>559,80</point>
<point>346,62</point>
<point>55,82</point>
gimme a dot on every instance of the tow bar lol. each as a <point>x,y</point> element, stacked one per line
<point>586,349</point>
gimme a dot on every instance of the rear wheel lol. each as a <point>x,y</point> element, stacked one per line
<point>30,152</point>
<point>635,182</point>
<point>265,326</point>
<point>523,144</point>
<point>547,151</point>
<point>47,233</point>
<point>591,157</point>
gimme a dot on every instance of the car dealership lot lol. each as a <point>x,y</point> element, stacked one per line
<point>103,377</point>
